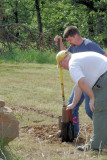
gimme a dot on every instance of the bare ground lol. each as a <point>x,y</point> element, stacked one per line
<point>48,133</point>
<point>40,141</point>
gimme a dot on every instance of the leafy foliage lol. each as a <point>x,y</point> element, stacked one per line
<point>52,17</point>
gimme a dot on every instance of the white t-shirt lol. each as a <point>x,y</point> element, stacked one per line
<point>90,65</point>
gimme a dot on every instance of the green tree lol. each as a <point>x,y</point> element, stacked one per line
<point>39,21</point>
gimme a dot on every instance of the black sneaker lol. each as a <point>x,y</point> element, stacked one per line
<point>81,148</point>
<point>86,147</point>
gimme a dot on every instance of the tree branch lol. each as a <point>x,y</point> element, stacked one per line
<point>17,24</point>
<point>90,4</point>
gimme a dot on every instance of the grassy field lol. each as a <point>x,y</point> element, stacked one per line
<point>33,92</point>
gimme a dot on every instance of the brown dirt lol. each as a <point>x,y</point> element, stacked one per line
<point>48,133</point>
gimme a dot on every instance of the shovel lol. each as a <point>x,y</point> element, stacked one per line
<point>67,129</point>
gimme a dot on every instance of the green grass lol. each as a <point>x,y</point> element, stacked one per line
<point>33,92</point>
<point>7,154</point>
<point>35,83</point>
<point>30,86</point>
<point>29,56</point>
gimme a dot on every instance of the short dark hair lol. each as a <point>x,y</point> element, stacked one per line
<point>70,31</point>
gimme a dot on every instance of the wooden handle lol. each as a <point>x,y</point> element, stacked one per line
<point>62,86</point>
<point>58,44</point>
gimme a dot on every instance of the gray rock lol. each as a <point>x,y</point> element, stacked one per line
<point>9,125</point>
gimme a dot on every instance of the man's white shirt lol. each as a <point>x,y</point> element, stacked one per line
<point>90,65</point>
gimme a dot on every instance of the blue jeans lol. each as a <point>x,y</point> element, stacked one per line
<point>75,114</point>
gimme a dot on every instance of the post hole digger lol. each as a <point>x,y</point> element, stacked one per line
<point>67,128</point>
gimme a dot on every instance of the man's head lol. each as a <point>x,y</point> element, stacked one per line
<point>70,31</point>
<point>72,35</point>
<point>61,58</point>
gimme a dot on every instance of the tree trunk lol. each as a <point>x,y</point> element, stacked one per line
<point>38,16</point>
<point>90,25</point>
<point>16,15</point>
<point>16,12</point>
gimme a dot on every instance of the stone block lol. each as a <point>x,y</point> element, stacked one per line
<point>9,126</point>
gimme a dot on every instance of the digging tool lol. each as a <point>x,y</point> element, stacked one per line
<point>67,128</point>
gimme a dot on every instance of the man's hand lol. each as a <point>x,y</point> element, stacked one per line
<point>76,98</point>
<point>91,103</point>
<point>61,43</point>
<point>57,37</point>
<point>70,106</point>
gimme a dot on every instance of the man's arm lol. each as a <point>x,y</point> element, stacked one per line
<point>76,98</point>
<point>84,86</point>
<point>61,43</point>
<point>105,54</point>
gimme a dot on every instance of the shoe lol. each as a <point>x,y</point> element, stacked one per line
<point>86,147</point>
<point>81,148</point>
<point>59,134</point>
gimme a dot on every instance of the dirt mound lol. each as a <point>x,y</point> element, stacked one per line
<point>48,133</point>
<point>44,132</point>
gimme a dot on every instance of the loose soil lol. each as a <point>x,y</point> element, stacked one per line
<point>48,133</point>
<point>40,141</point>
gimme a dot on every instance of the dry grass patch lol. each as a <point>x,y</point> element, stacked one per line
<point>33,92</point>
